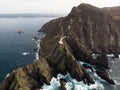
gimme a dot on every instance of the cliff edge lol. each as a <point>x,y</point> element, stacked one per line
<point>68,47</point>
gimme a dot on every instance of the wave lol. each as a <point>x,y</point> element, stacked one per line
<point>7,75</point>
<point>72,84</point>
<point>25,53</point>
<point>37,41</point>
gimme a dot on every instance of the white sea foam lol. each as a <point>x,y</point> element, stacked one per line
<point>117,82</point>
<point>72,84</point>
<point>110,55</point>
<point>119,56</point>
<point>95,55</point>
<point>75,85</point>
<point>110,70</point>
<point>7,75</point>
<point>81,62</point>
<point>14,70</point>
<point>97,86</point>
<point>37,56</point>
<point>38,46</point>
<point>26,53</point>
<point>54,85</point>
<point>33,39</point>
<point>113,62</point>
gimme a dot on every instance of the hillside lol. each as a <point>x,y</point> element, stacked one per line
<point>113,11</point>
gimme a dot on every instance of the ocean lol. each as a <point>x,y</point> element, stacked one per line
<point>16,49</point>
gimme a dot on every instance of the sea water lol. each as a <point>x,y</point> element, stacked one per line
<point>16,49</point>
<point>100,84</point>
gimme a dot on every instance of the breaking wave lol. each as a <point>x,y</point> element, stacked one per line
<point>71,84</point>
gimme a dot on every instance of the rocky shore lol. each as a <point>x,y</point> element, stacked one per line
<point>68,47</point>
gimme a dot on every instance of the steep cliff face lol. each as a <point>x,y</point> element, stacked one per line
<point>94,29</point>
<point>69,41</point>
<point>31,77</point>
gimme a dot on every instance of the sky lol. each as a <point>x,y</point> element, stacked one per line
<point>49,6</point>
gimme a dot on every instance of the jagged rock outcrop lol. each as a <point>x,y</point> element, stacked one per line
<point>69,41</point>
<point>31,77</point>
<point>104,75</point>
<point>62,84</point>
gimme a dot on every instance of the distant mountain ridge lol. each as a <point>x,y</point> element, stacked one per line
<point>28,15</point>
<point>113,11</point>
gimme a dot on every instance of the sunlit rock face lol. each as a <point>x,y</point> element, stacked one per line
<point>68,46</point>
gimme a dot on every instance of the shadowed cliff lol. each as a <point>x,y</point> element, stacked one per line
<point>69,42</point>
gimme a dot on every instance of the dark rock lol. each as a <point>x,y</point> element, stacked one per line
<point>68,41</point>
<point>62,84</point>
<point>104,75</point>
<point>29,78</point>
<point>88,67</point>
<point>116,55</point>
<point>7,82</point>
<point>102,61</point>
<point>87,78</point>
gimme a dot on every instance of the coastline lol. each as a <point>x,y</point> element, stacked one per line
<point>64,57</point>
<point>38,41</point>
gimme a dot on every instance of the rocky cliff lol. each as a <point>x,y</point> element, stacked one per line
<point>113,11</point>
<point>69,42</point>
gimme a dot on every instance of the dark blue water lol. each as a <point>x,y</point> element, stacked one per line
<point>12,44</point>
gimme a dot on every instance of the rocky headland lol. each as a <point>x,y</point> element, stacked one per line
<point>68,43</point>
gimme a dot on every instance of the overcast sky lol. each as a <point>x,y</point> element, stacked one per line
<point>49,6</point>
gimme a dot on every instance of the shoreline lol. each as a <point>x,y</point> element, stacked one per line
<point>37,42</point>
